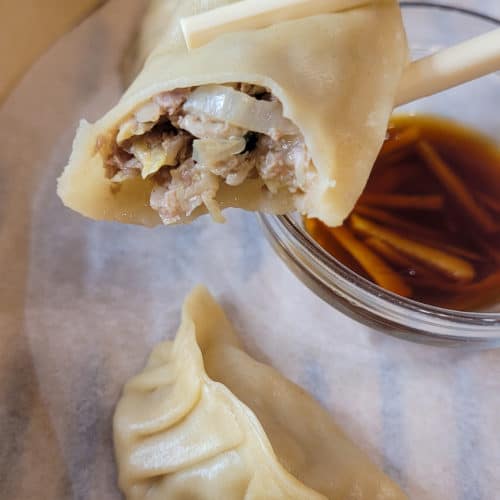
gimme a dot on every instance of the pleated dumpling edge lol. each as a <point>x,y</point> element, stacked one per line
<point>204,420</point>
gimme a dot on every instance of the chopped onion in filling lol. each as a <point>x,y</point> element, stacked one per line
<point>213,207</point>
<point>190,140</point>
<point>154,156</point>
<point>144,119</point>
<point>212,151</point>
<point>125,174</point>
<point>234,170</point>
<point>240,109</point>
<point>205,127</point>
<point>150,112</point>
<point>131,128</point>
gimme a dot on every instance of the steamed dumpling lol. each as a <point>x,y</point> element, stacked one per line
<point>206,421</point>
<point>289,117</point>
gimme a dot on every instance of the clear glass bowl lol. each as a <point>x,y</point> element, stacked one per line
<point>429,26</point>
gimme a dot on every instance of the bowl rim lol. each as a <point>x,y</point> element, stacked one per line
<point>362,299</point>
<point>451,8</point>
<point>365,301</point>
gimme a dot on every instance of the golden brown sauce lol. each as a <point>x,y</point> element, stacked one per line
<point>428,223</point>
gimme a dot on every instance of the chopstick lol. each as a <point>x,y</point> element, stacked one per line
<point>450,67</point>
<point>253,14</point>
<point>445,69</point>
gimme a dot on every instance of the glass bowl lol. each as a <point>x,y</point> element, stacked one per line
<point>430,27</point>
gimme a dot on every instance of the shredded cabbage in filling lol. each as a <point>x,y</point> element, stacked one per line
<point>188,141</point>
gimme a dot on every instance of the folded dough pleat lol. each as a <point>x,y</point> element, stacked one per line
<point>305,108</point>
<point>206,421</point>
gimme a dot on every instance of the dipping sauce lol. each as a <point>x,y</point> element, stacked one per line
<point>427,226</point>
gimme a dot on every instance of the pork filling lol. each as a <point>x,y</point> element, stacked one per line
<point>190,141</point>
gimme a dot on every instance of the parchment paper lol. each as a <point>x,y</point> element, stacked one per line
<point>82,304</point>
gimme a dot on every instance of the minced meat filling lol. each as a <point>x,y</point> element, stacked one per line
<point>188,152</point>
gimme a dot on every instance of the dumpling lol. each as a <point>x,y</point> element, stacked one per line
<point>289,117</point>
<point>206,421</point>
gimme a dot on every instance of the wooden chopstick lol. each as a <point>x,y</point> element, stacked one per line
<point>253,14</point>
<point>440,71</point>
<point>450,67</point>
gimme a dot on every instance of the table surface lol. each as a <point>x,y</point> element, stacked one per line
<point>82,304</point>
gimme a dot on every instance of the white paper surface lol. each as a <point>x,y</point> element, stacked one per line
<point>82,304</point>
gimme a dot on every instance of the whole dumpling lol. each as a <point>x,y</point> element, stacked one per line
<point>206,421</point>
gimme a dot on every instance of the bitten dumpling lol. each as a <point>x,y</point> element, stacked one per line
<point>206,421</point>
<point>284,118</point>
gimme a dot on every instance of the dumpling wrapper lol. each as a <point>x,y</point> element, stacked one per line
<point>336,76</point>
<point>206,421</point>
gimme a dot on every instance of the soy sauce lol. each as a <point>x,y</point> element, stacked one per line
<point>427,226</point>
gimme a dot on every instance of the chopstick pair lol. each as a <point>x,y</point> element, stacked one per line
<point>445,69</point>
